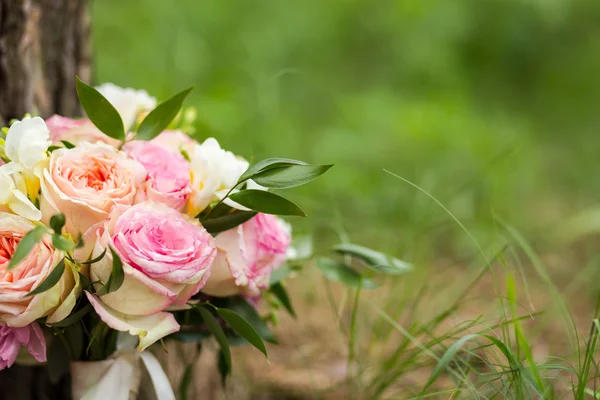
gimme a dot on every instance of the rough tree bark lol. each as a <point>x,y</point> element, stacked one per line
<point>43,45</point>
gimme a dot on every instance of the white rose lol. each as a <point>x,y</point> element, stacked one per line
<point>214,172</point>
<point>13,194</point>
<point>27,142</point>
<point>26,146</point>
<point>127,101</point>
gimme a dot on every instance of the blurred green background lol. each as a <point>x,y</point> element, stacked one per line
<point>489,105</point>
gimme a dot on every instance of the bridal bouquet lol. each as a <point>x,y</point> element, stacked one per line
<point>120,230</point>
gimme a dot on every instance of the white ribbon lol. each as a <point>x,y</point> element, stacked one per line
<point>123,376</point>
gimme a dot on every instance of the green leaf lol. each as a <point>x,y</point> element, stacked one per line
<point>186,380</point>
<point>85,282</point>
<point>245,310</point>
<point>67,144</point>
<point>26,244</point>
<point>51,280</point>
<point>95,260</point>
<point>61,243</point>
<point>185,336</point>
<point>213,326</point>
<point>268,164</point>
<point>80,242</point>
<point>224,367</point>
<point>57,222</point>
<point>160,118</point>
<point>337,271</point>
<point>375,260</point>
<point>279,291</point>
<point>280,273</point>
<point>71,319</point>
<point>266,202</point>
<point>444,362</point>
<point>53,147</point>
<point>291,176</point>
<point>100,111</point>
<point>116,277</point>
<point>243,328</point>
<point>74,338</point>
<point>226,222</point>
<point>58,359</point>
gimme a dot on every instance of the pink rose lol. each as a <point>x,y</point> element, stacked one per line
<point>175,141</point>
<point>247,255</point>
<point>168,179</point>
<point>16,309</point>
<point>85,182</point>
<point>76,131</point>
<point>11,340</point>
<point>166,258</point>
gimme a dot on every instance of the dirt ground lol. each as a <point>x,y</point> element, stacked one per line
<point>310,360</point>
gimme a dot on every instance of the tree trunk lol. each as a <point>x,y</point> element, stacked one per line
<point>44,44</point>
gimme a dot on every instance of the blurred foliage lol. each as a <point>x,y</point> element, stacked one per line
<point>489,105</point>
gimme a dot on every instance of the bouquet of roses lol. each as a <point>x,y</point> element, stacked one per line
<point>120,230</point>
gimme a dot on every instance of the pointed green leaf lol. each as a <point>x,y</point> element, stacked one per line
<point>337,271</point>
<point>160,118</point>
<point>95,260</point>
<point>71,319</point>
<point>57,222</point>
<point>224,367</point>
<point>61,243</point>
<point>26,244</point>
<point>214,327</point>
<point>67,144</point>
<point>58,358</point>
<point>100,111</point>
<point>375,260</point>
<point>240,306</point>
<point>85,282</point>
<point>115,280</point>
<point>291,176</point>
<point>266,202</point>
<point>243,328</point>
<point>268,164</point>
<point>279,291</point>
<point>51,280</point>
<point>226,222</point>
<point>280,273</point>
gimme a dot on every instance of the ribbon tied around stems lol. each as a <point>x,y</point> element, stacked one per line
<point>126,375</point>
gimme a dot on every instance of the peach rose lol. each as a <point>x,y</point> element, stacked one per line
<point>166,259</point>
<point>85,182</point>
<point>16,309</point>
<point>168,179</point>
<point>247,254</point>
<point>76,131</point>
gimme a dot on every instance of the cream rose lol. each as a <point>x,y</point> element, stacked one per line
<point>25,146</point>
<point>128,102</point>
<point>213,171</point>
<point>247,254</point>
<point>166,259</point>
<point>16,309</point>
<point>85,182</point>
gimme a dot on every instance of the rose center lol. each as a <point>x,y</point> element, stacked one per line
<point>90,173</point>
<point>8,243</point>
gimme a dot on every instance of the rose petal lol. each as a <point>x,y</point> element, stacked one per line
<point>149,329</point>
